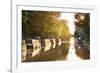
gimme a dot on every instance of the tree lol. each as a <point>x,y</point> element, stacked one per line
<point>44,24</point>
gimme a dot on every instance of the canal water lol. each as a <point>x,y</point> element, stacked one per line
<point>69,17</point>
<point>71,54</point>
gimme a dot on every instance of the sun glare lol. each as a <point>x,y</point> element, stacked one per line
<point>69,17</point>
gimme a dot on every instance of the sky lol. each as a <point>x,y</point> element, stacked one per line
<point>69,17</point>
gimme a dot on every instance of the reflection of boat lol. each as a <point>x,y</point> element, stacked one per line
<point>58,42</point>
<point>53,42</point>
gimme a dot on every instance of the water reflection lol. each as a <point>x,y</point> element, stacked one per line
<point>44,50</point>
<point>53,50</point>
<point>72,51</point>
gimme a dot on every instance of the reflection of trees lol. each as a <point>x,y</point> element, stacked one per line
<point>58,53</point>
<point>82,22</point>
<point>82,52</point>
